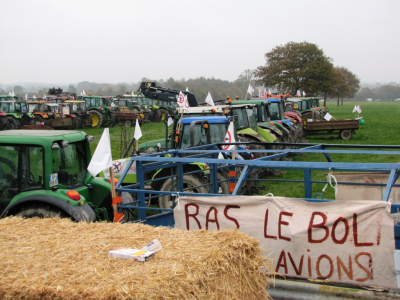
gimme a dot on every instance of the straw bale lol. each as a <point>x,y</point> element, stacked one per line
<point>59,259</point>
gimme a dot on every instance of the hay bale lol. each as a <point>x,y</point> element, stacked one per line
<point>59,259</point>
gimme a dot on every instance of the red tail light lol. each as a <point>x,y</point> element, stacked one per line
<point>74,195</point>
<point>279,122</point>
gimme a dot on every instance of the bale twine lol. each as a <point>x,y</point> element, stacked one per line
<point>59,259</point>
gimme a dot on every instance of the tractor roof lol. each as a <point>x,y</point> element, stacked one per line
<point>40,137</point>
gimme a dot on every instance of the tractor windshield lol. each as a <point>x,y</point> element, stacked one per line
<point>217,131</point>
<point>4,106</point>
<point>69,163</point>
<point>276,111</point>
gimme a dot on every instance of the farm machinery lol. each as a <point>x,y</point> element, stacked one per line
<point>44,173</point>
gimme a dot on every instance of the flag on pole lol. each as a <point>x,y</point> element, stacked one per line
<point>354,109</point>
<point>304,93</point>
<point>266,94</point>
<point>132,94</point>
<point>26,96</point>
<point>170,121</point>
<point>44,97</point>
<point>359,109</point>
<point>229,137</point>
<point>83,93</point>
<point>183,101</point>
<point>209,100</point>
<point>34,97</point>
<point>269,91</point>
<point>138,132</point>
<point>260,92</point>
<point>102,157</point>
<point>250,89</point>
<point>187,89</point>
<point>328,117</point>
<point>298,93</point>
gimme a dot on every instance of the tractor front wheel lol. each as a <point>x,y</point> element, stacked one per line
<point>41,210</point>
<point>189,181</point>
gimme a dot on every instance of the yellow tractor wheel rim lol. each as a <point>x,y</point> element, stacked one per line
<point>95,120</point>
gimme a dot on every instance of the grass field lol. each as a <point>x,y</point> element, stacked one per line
<point>381,127</point>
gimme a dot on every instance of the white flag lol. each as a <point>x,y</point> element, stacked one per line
<point>34,97</point>
<point>132,94</point>
<point>260,93</point>
<point>26,96</point>
<point>328,117</point>
<point>269,91</point>
<point>170,121</point>
<point>229,138</point>
<point>113,104</point>
<point>102,158</point>
<point>209,100</point>
<point>298,93</point>
<point>44,96</point>
<point>359,109</point>
<point>183,101</point>
<point>187,89</point>
<point>250,89</point>
<point>304,93</point>
<point>354,109</point>
<point>138,132</point>
<point>83,92</point>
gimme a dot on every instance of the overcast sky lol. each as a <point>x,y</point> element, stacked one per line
<point>115,41</point>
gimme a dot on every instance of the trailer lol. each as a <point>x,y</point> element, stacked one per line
<point>343,128</point>
<point>311,285</point>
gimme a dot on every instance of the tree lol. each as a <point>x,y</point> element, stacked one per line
<point>72,89</point>
<point>339,87</point>
<point>18,89</point>
<point>296,66</point>
<point>387,92</point>
<point>246,76</point>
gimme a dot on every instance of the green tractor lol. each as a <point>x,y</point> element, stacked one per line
<point>100,110</point>
<point>43,173</point>
<point>17,114</point>
<point>77,111</point>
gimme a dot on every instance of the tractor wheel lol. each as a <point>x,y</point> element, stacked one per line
<point>161,115</point>
<point>76,123</point>
<point>97,119</point>
<point>41,210</point>
<point>87,121</point>
<point>165,201</point>
<point>150,116</point>
<point>10,123</point>
<point>128,123</point>
<point>39,119</point>
<point>345,134</point>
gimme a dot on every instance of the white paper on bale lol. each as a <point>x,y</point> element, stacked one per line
<point>328,117</point>
<point>102,157</point>
<point>350,242</point>
<point>138,132</point>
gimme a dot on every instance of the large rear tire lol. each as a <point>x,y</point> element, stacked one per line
<point>10,123</point>
<point>188,181</point>
<point>97,119</point>
<point>41,210</point>
<point>76,122</point>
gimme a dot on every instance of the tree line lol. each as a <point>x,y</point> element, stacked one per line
<point>288,69</point>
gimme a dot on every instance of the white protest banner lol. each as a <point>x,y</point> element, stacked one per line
<point>349,242</point>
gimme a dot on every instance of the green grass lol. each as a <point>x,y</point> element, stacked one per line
<point>381,127</point>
